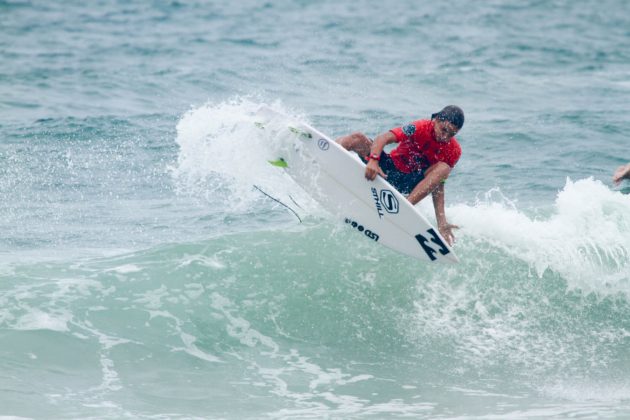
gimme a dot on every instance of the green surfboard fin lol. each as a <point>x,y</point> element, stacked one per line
<point>301,133</point>
<point>281,163</point>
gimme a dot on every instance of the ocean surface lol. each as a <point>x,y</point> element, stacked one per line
<point>143,276</point>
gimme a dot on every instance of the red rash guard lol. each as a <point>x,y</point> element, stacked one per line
<point>417,148</point>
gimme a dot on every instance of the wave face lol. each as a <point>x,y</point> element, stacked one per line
<point>147,269</point>
<point>270,315</point>
<point>306,322</point>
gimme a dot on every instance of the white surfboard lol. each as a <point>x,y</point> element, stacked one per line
<point>335,178</point>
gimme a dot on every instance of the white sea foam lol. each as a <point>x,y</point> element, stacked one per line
<point>126,269</point>
<point>586,239</point>
<point>588,391</point>
<point>239,328</point>
<point>224,153</point>
<point>583,240</point>
<point>36,319</point>
<point>192,349</point>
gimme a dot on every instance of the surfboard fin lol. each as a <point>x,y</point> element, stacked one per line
<point>300,133</point>
<point>280,163</point>
<point>281,203</point>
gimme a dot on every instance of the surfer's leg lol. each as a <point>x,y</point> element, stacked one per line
<point>433,177</point>
<point>356,142</point>
<point>431,169</point>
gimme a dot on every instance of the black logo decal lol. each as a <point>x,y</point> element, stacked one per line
<point>424,243</point>
<point>367,232</point>
<point>389,201</point>
<point>323,144</point>
<point>377,202</point>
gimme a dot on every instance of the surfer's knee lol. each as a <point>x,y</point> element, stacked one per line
<point>354,141</point>
<point>440,167</point>
<point>442,171</point>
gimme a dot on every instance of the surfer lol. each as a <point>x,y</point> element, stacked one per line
<point>426,153</point>
<point>622,172</point>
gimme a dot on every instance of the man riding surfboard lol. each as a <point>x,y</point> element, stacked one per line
<point>426,153</point>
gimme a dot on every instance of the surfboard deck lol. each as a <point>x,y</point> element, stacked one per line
<point>334,177</point>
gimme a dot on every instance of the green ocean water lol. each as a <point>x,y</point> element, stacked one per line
<point>143,276</point>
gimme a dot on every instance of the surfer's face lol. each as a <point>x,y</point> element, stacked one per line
<point>443,130</point>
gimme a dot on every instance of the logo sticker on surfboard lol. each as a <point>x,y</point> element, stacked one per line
<point>426,246</point>
<point>367,232</point>
<point>385,200</point>
<point>389,201</point>
<point>377,202</point>
<point>323,144</point>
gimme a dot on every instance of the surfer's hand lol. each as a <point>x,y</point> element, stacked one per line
<point>622,172</point>
<point>446,230</point>
<point>372,169</point>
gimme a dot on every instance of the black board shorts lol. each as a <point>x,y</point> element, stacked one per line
<point>403,182</point>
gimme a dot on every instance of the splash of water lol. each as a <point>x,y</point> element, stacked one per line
<point>586,239</point>
<point>223,154</point>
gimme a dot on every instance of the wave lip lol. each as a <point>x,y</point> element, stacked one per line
<point>586,238</point>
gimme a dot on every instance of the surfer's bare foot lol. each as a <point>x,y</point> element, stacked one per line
<point>622,172</point>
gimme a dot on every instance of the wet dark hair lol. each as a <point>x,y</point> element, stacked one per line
<point>452,114</point>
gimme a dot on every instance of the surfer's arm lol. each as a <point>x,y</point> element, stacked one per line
<point>622,172</point>
<point>372,169</point>
<point>438,204</point>
<point>381,141</point>
<point>445,228</point>
<point>433,183</point>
